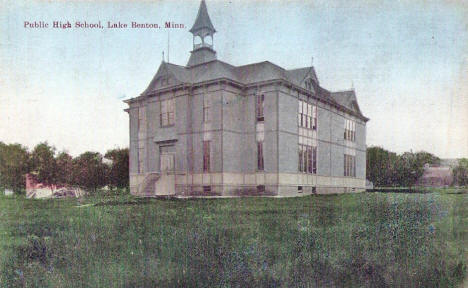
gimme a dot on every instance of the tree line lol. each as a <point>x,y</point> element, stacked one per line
<point>90,170</point>
<point>385,168</point>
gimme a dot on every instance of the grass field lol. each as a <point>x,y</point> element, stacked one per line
<point>359,240</point>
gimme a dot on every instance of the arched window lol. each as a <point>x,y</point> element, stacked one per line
<point>197,41</point>
<point>209,40</point>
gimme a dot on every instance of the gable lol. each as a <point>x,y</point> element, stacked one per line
<point>304,77</point>
<point>165,77</point>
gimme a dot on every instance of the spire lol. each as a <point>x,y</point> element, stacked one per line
<point>202,31</point>
<point>203,20</point>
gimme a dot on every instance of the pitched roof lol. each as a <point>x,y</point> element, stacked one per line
<point>203,19</point>
<point>262,71</point>
<point>249,74</point>
<point>300,74</point>
<point>246,74</point>
<point>347,99</point>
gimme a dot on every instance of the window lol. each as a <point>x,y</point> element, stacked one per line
<point>260,165</point>
<point>141,139</point>
<point>206,156</point>
<point>350,130</point>
<point>141,119</point>
<point>349,165</point>
<point>141,150</point>
<point>167,112</point>
<point>307,115</point>
<point>307,159</point>
<point>207,189</point>
<point>260,106</point>
<point>309,85</point>
<point>206,109</point>
<point>261,189</point>
<point>299,189</point>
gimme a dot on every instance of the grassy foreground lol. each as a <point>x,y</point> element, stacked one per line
<point>360,240</point>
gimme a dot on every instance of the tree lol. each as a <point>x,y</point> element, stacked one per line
<point>411,166</point>
<point>43,163</point>
<point>14,164</point>
<point>460,173</point>
<point>89,171</point>
<point>380,166</point>
<point>408,169</point>
<point>423,158</point>
<point>64,168</point>
<point>118,169</point>
<point>385,168</point>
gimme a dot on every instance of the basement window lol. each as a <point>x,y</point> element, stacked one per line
<point>314,190</point>
<point>260,188</point>
<point>299,189</point>
<point>207,189</point>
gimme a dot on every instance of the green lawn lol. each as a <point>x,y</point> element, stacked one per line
<point>359,240</point>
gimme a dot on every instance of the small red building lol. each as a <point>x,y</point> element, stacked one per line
<point>36,189</point>
<point>436,176</point>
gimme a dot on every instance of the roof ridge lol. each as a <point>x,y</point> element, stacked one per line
<point>176,65</point>
<point>306,67</point>
<point>343,91</point>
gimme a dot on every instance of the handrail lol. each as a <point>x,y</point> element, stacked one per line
<point>149,177</point>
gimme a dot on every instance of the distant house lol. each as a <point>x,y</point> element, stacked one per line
<point>35,189</point>
<point>436,176</point>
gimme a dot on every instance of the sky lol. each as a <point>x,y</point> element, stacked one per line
<point>407,61</point>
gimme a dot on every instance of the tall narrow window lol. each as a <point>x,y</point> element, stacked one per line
<point>350,130</point>
<point>141,155</point>
<point>314,117</point>
<point>206,109</point>
<point>314,160</point>
<point>141,139</point>
<point>345,165</point>
<point>167,115</point>
<point>301,156</point>
<point>260,107</point>
<point>307,159</point>
<point>141,115</point>
<point>349,165</point>
<point>307,115</point>
<point>206,156</point>
<point>354,167</point>
<point>260,165</point>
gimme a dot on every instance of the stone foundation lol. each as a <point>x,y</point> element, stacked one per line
<point>260,184</point>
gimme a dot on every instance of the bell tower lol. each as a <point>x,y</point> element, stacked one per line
<point>202,31</point>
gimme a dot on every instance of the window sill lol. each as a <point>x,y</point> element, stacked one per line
<point>167,126</point>
<point>312,129</point>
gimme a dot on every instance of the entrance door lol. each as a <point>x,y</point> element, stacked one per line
<point>166,183</point>
<point>166,156</point>
<point>167,162</point>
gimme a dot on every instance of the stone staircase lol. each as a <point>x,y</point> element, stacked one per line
<point>147,187</point>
